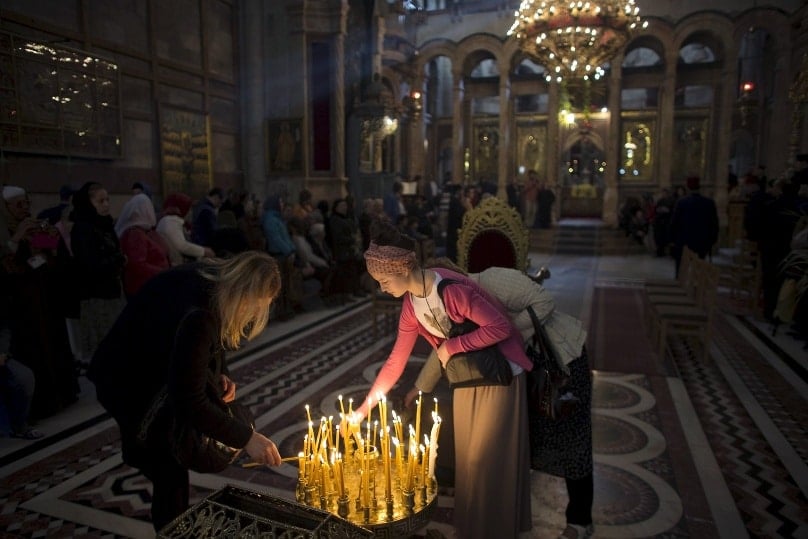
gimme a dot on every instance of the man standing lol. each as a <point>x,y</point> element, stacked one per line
<point>204,223</point>
<point>530,195</point>
<point>694,223</point>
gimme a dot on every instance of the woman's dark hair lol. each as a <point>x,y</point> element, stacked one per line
<point>82,206</point>
<point>382,233</point>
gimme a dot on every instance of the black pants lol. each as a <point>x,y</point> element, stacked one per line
<point>170,489</point>
<point>579,508</point>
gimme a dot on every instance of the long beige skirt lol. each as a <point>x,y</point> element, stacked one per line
<point>492,461</point>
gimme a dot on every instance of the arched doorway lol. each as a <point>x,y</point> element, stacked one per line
<point>582,167</point>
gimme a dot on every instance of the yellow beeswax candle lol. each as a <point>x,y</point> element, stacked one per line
<point>418,418</point>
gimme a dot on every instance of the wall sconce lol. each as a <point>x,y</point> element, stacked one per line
<point>413,103</point>
<point>747,101</point>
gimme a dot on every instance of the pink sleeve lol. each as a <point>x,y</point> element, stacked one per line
<point>394,366</point>
<point>467,303</point>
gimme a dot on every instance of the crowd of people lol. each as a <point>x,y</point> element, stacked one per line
<point>77,287</point>
<point>775,219</point>
<point>68,272</point>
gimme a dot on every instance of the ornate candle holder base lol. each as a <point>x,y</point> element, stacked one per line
<point>398,516</point>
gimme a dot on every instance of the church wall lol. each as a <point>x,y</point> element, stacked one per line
<point>180,55</point>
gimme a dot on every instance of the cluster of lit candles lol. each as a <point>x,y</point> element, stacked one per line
<point>346,472</point>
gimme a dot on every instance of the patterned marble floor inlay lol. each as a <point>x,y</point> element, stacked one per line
<point>645,484</point>
<point>765,494</point>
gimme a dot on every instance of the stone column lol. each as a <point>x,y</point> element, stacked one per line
<point>252,110</point>
<point>778,156</point>
<point>506,128</point>
<point>338,107</point>
<point>663,152</point>
<point>458,126</point>
<point>722,137</point>
<point>553,147</point>
<point>417,134</point>
<point>611,192</point>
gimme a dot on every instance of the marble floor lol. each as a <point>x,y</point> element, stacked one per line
<point>683,448</point>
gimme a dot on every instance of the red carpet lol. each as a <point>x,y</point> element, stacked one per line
<point>618,339</point>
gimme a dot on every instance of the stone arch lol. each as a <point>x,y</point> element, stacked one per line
<point>648,41</point>
<point>712,29</point>
<point>434,48</point>
<point>479,46</point>
<point>577,136</point>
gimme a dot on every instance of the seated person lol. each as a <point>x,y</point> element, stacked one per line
<point>228,239</point>
<point>171,228</point>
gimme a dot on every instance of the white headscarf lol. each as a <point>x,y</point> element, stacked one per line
<point>12,191</point>
<point>138,211</point>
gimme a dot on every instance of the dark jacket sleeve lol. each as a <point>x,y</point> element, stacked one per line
<point>96,255</point>
<point>196,361</point>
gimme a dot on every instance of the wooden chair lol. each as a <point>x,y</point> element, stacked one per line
<point>695,319</point>
<point>744,275</point>
<point>492,234</point>
<point>680,290</point>
<point>656,286</point>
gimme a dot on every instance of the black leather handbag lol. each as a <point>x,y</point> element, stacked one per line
<point>197,451</point>
<point>484,367</point>
<point>546,383</point>
<point>163,429</point>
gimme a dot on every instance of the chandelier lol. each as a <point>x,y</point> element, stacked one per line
<point>573,39</point>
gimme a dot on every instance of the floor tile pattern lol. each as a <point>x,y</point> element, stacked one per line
<point>770,503</point>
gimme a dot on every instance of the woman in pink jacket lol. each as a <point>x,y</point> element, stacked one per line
<point>492,486</point>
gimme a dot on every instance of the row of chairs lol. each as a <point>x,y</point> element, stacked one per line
<point>684,306</point>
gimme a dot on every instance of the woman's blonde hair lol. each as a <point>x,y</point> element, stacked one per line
<point>246,285</point>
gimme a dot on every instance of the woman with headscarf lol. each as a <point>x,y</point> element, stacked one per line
<point>146,253</point>
<point>560,447</point>
<point>492,486</point>
<point>99,265</point>
<point>172,229</point>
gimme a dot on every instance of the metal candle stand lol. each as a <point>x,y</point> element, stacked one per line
<point>396,516</point>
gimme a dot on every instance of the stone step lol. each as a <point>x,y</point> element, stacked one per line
<point>584,240</point>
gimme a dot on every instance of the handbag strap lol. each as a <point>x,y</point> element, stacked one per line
<point>148,418</point>
<point>538,330</point>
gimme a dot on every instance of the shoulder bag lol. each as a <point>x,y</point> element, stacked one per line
<point>484,367</point>
<point>545,383</point>
<point>192,448</point>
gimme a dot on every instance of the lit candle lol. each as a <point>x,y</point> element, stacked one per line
<point>342,406</point>
<point>433,445</point>
<point>418,418</point>
<point>395,423</point>
<point>412,464</point>
<point>388,489</point>
<point>322,478</point>
<point>337,436</point>
<point>341,476</point>
<point>424,449</point>
<point>399,461</point>
<point>436,406</point>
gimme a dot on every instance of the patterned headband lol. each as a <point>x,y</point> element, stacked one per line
<point>389,259</point>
